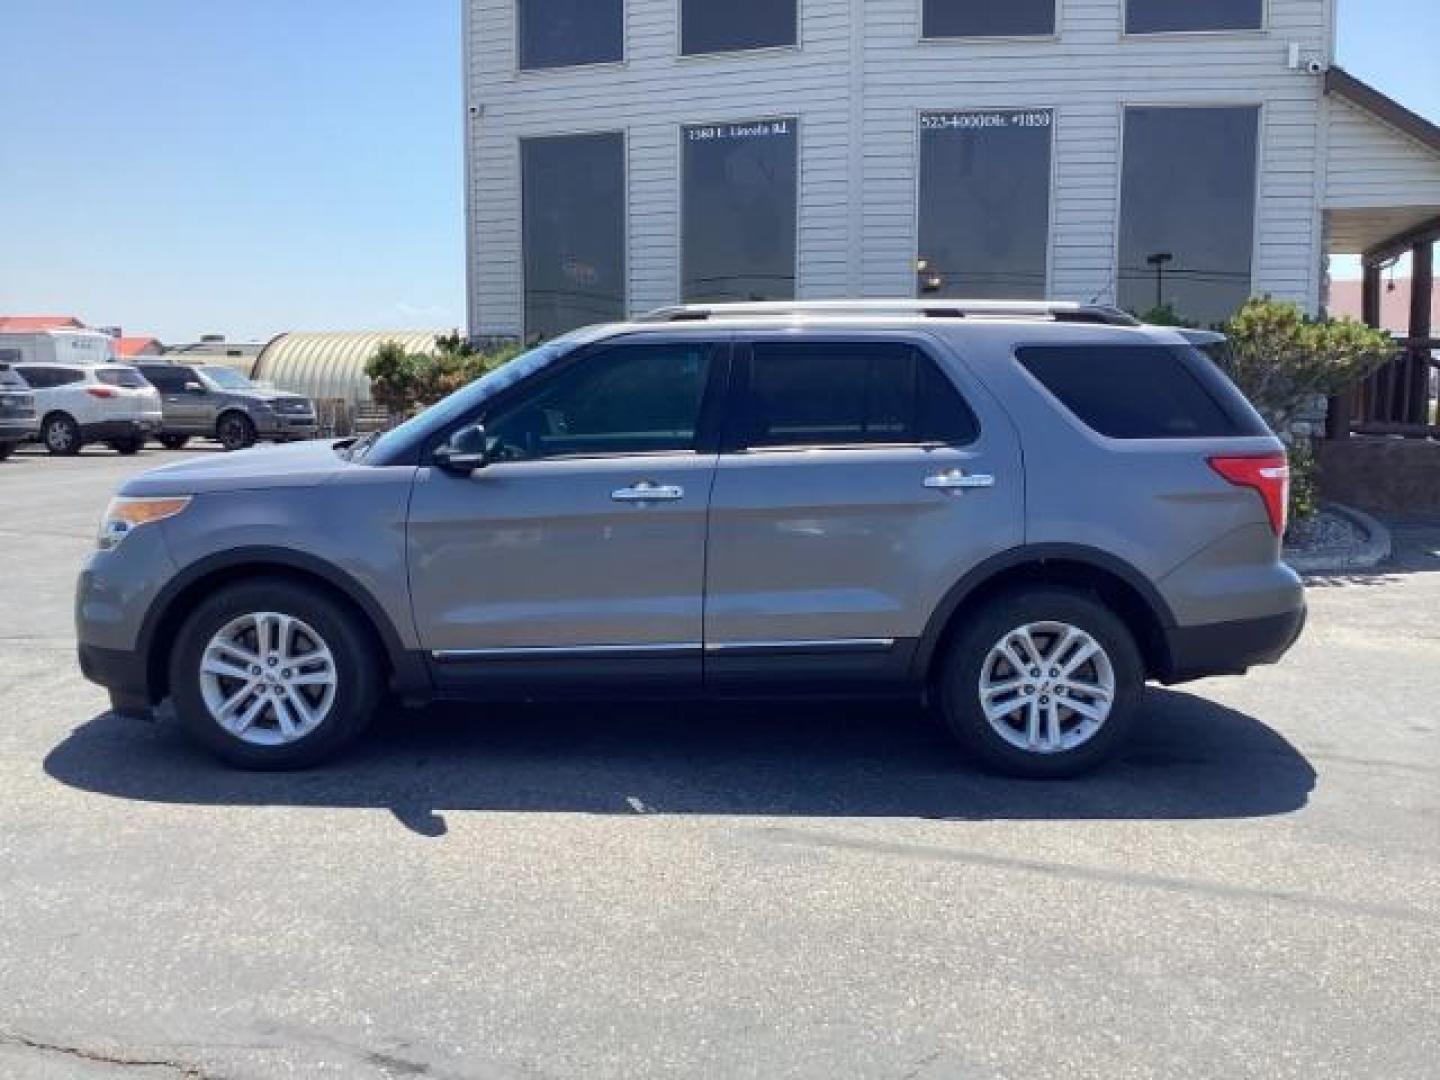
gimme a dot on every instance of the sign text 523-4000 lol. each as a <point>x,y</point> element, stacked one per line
<point>757,129</point>
<point>974,121</point>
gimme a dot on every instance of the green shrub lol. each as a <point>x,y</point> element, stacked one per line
<point>403,383</point>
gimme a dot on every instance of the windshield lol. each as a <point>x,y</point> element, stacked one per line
<point>450,409</point>
<point>226,379</point>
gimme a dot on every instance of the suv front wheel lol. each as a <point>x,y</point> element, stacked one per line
<point>235,431</point>
<point>1042,683</point>
<point>273,675</point>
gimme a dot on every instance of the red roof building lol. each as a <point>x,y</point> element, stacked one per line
<point>37,324</point>
<point>139,346</point>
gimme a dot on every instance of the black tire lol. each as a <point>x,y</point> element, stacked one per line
<point>965,663</point>
<point>61,435</point>
<point>6,449</point>
<point>127,447</point>
<point>174,442</point>
<point>235,431</point>
<point>358,688</point>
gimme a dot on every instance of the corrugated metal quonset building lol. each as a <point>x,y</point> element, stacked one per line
<point>331,366</point>
<point>625,155</point>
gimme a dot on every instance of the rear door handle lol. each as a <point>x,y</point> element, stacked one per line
<point>955,480</point>
<point>645,491</point>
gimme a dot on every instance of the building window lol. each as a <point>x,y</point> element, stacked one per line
<point>985,18</point>
<point>564,33</point>
<point>1187,214</point>
<point>573,211</point>
<point>1163,16</point>
<point>984,203</point>
<point>738,226</point>
<point>712,26</point>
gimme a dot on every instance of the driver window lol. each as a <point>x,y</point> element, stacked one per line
<point>630,399</point>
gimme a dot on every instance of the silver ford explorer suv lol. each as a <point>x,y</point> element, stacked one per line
<point>1020,512</point>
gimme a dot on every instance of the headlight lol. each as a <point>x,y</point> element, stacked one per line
<point>124,515</point>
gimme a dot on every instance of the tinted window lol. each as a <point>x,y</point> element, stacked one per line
<point>1187,216</point>
<point>623,400</point>
<point>1142,391</point>
<point>986,18</point>
<point>738,231</point>
<point>837,394</point>
<point>573,205</point>
<point>1156,16</point>
<point>167,378</point>
<point>131,380</point>
<point>984,203</point>
<point>708,26</point>
<point>44,378</point>
<point>561,33</point>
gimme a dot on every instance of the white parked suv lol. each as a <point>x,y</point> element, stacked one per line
<point>87,403</point>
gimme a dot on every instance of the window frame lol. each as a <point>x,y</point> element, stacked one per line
<point>681,55</point>
<point>520,140</point>
<point>709,420</point>
<point>1126,34</point>
<point>918,115</point>
<point>680,192</point>
<point>922,38</point>
<point>1262,112</point>
<point>516,55</point>
<point>738,411</point>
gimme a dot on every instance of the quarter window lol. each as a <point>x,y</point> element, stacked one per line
<point>1161,16</point>
<point>564,33</point>
<point>573,210</point>
<point>985,18</point>
<point>123,377</point>
<point>985,203</point>
<point>739,193</point>
<point>858,393</point>
<point>711,26</point>
<point>1187,215</point>
<point>629,399</point>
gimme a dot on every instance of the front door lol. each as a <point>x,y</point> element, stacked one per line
<point>863,476</point>
<point>578,553</point>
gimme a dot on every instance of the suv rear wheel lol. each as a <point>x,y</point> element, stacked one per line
<point>1042,683</point>
<point>61,435</point>
<point>273,675</point>
<point>235,431</point>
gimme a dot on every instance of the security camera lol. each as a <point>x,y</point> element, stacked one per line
<point>477,110</point>
<point>1315,67</point>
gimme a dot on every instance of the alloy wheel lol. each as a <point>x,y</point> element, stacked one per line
<point>268,679</point>
<point>1047,687</point>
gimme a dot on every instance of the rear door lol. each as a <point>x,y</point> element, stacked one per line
<point>184,410</point>
<point>863,476</point>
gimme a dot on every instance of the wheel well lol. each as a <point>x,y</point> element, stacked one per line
<point>232,411</point>
<point>162,641</point>
<point>1110,588</point>
<point>52,414</point>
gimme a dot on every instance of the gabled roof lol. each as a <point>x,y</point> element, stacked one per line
<point>36,324</point>
<point>1342,84</point>
<point>138,346</point>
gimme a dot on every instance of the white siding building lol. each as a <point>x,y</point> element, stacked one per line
<point>625,155</point>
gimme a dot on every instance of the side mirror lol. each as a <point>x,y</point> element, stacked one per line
<point>194,388</point>
<point>466,451</point>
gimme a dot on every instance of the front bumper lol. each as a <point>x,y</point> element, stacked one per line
<point>124,674</point>
<point>1230,648</point>
<point>18,430</point>
<point>283,427</point>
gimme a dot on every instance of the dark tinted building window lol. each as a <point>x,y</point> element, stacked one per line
<point>708,26</point>
<point>1142,391</point>
<point>838,394</point>
<point>1159,16</point>
<point>1187,214</point>
<point>623,400</point>
<point>984,203</point>
<point>573,206</point>
<point>562,33</point>
<point>738,229</point>
<point>987,18</point>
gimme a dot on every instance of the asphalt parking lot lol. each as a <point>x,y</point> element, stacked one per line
<point>1254,891</point>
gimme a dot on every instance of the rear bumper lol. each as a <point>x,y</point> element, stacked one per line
<point>1230,648</point>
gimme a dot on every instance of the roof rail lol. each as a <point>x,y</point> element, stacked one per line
<point>1055,310</point>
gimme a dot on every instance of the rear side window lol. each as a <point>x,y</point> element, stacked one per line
<point>1142,391</point>
<point>851,393</point>
<point>169,379</point>
<point>124,377</point>
<point>48,377</point>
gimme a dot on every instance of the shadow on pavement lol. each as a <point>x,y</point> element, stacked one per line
<point>1190,759</point>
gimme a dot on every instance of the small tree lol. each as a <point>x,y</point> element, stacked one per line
<point>394,375</point>
<point>404,382</point>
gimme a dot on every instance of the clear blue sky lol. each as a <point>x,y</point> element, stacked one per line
<point>184,166</point>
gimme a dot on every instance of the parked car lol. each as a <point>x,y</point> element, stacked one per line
<point>1020,512</point>
<point>18,421</point>
<point>89,403</point>
<point>216,402</point>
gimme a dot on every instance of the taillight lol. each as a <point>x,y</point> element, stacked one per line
<point>101,391</point>
<point>1268,474</point>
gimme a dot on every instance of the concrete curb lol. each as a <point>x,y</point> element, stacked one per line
<point>1374,550</point>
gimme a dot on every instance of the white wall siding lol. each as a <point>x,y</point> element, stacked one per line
<point>1375,165</point>
<point>858,158</point>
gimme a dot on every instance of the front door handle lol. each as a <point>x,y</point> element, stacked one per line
<point>645,491</point>
<point>955,480</point>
